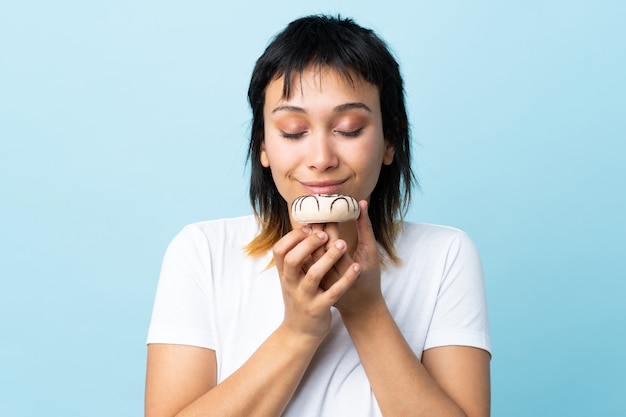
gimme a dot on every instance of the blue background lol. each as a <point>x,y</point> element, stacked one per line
<point>121,121</point>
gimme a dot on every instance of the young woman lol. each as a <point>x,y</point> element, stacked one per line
<point>262,316</point>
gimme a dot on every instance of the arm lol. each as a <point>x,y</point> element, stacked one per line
<point>451,381</point>
<point>181,380</point>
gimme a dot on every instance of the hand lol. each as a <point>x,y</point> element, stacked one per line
<point>307,305</point>
<point>366,292</point>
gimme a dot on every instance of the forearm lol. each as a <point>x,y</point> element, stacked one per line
<point>401,384</point>
<point>265,382</point>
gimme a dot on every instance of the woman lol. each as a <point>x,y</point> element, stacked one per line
<point>261,316</point>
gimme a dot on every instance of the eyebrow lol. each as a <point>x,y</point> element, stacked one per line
<point>339,109</point>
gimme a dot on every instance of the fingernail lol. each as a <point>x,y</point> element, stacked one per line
<point>306,230</point>
<point>340,245</point>
<point>321,235</point>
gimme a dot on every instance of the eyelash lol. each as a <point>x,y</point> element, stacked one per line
<point>350,134</point>
<point>292,135</point>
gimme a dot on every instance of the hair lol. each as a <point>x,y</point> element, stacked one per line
<point>339,44</point>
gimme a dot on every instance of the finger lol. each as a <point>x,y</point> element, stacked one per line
<point>344,262</point>
<point>297,260</point>
<point>319,269</point>
<point>333,233</point>
<point>367,241</point>
<point>318,227</point>
<point>287,243</point>
<point>364,225</point>
<point>290,240</point>
<point>343,284</point>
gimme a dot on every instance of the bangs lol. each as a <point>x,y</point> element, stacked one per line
<point>309,44</point>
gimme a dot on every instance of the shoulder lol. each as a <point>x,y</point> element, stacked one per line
<point>436,245</point>
<point>222,235</point>
<point>231,229</point>
<point>247,225</point>
<point>427,237</point>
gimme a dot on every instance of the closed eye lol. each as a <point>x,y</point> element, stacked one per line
<point>350,133</point>
<point>296,135</point>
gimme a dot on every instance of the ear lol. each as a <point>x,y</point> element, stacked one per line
<point>264,159</point>
<point>389,152</point>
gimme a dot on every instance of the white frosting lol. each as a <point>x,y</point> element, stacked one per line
<point>324,208</point>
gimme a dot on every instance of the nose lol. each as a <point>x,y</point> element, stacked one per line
<point>321,153</point>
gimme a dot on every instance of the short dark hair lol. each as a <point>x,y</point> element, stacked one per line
<point>340,44</point>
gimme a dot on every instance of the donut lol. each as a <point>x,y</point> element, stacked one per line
<point>324,208</point>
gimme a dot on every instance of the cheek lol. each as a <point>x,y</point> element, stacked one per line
<point>369,160</point>
<point>372,153</point>
<point>276,157</point>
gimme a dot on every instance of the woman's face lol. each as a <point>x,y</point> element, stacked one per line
<point>326,138</point>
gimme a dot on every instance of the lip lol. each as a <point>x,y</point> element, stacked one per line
<point>322,187</point>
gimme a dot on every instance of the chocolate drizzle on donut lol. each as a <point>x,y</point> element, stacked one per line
<point>342,198</point>
<point>300,200</point>
<point>324,204</point>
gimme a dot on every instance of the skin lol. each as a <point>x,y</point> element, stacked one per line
<point>325,138</point>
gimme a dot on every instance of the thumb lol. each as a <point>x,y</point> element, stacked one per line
<point>367,240</point>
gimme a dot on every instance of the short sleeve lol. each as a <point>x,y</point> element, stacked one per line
<point>182,312</point>
<point>460,316</point>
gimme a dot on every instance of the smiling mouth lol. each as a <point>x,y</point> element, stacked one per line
<point>322,187</point>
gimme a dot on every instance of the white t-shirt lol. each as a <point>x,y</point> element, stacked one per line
<point>212,295</point>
